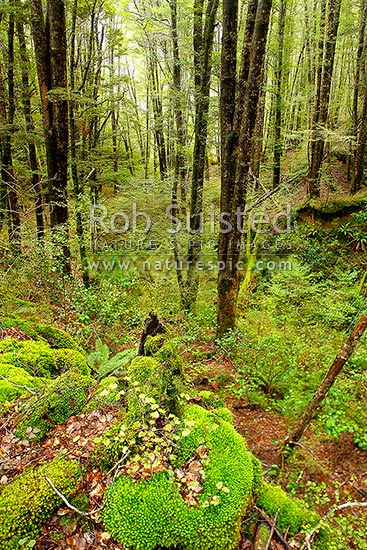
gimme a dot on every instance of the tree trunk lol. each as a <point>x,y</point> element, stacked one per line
<point>326,384</point>
<point>323,111</point>
<point>180,152</point>
<point>158,115</point>
<point>203,47</point>
<point>32,152</point>
<point>9,182</point>
<point>278,100</point>
<point>233,195</point>
<point>50,49</point>
<point>78,190</point>
<point>359,131</point>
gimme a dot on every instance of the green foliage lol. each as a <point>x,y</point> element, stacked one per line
<point>29,500</point>
<point>355,231</point>
<point>110,391</point>
<point>101,363</point>
<point>63,397</point>
<point>291,512</point>
<point>344,409</point>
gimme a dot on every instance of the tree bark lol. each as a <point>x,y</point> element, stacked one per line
<point>78,188</point>
<point>278,146</point>
<point>203,36</point>
<point>359,129</point>
<point>180,152</point>
<point>329,379</point>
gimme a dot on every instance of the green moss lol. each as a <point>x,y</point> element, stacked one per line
<point>147,513</point>
<point>18,376</point>
<point>26,503</point>
<point>37,358</point>
<point>291,512</point>
<point>153,344</point>
<point>67,359</point>
<point>56,337</point>
<point>63,397</point>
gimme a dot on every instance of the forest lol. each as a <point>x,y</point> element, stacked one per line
<point>183,274</point>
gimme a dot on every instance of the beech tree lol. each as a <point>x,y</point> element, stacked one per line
<point>49,36</point>
<point>238,110</point>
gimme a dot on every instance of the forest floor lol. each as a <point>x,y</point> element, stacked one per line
<point>318,461</point>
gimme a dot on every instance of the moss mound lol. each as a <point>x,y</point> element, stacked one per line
<point>63,397</point>
<point>68,359</point>
<point>39,359</point>
<point>14,381</point>
<point>144,514</point>
<point>291,512</point>
<point>26,503</point>
<point>56,337</point>
<point>189,478</point>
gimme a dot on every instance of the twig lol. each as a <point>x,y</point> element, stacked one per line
<point>276,531</point>
<point>70,506</point>
<point>117,465</point>
<point>312,533</point>
<point>18,386</point>
<point>272,531</point>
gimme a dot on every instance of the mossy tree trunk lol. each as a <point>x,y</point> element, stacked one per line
<point>32,152</point>
<point>353,171</point>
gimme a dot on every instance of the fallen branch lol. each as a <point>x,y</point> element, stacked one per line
<point>327,382</point>
<point>310,536</point>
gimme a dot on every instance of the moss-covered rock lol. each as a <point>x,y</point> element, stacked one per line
<point>67,359</point>
<point>56,337</point>
<point>37,358</point>
<point>143,514</point>
<point>63,397</point>
<point>14,382</point>
<point>29,500</point>
<point>189,478</point>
